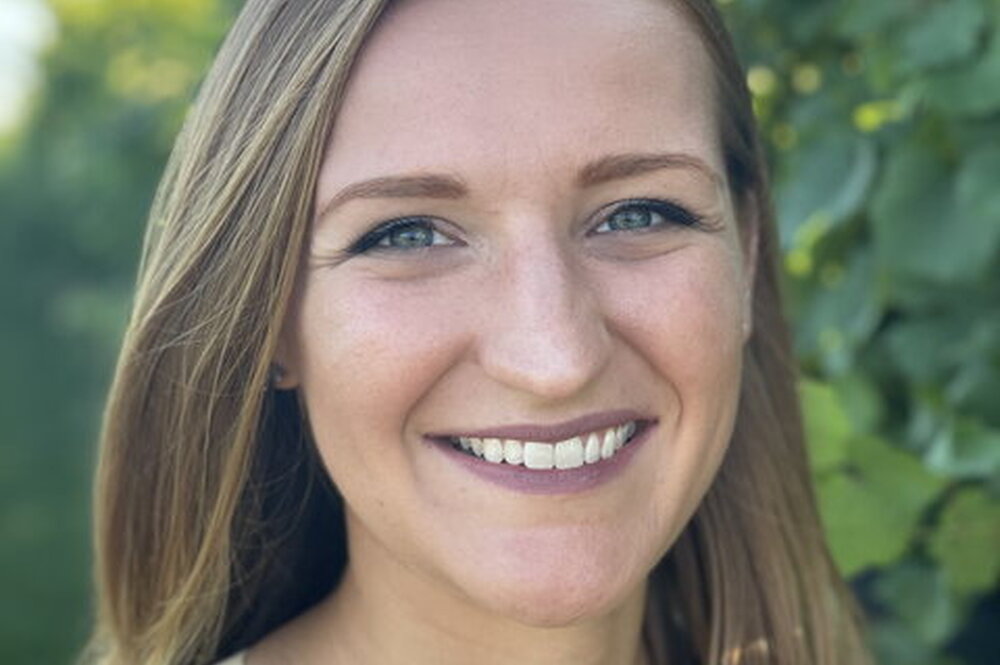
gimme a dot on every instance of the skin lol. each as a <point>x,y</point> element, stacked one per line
<point>529,308</point>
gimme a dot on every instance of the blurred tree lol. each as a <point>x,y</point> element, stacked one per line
<point>75,184</point>
<point>883,119</point>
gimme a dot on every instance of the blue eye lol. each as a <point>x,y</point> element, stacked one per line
<point>643,214</point>
<point>408,233</point>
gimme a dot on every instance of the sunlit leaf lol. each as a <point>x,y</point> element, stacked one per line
<point>861,531</point>
<point>861,400</point>
<point>967,541</point>
<point>828,427</point>
<point>897,475</point>
<point>871,508</point>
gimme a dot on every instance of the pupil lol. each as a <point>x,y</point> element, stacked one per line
<point>631,218</point>
<point>411,236</point>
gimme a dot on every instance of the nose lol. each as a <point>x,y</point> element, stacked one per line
<point>544,331</point>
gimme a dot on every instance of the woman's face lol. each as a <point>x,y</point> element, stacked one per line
<point>524,241</point>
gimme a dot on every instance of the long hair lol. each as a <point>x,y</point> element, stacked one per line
<point>215,521</point>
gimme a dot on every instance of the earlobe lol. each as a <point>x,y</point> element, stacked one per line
<point>283,374</point>
<point>281,378</point>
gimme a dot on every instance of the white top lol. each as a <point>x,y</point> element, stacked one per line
<point>235,659</point>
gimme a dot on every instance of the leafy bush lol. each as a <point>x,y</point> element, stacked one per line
<point>883,119</point>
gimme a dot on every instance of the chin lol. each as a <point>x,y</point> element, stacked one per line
<point>558,587</point>
<point>560,607</point>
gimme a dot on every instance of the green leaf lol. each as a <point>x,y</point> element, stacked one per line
<point>920,232</point>
<point>926,348</point>
<point>862,17</point>
<point>907,212</point>
<point>811,21</point>
<point>968,449</point>
<point>861,400</point>
<point>978,192</point>
<point>841,314</point>
<point>860,532</point>
<point>872,508</point>
<point>945,33</point>
<point>919,597</point>
<point>827,425</point>
<point>898,476</point>
<point>971,90</point>
<point>973,391</point>
<point>895,644</point>
<point>967,541</point>
<point>826,180</point>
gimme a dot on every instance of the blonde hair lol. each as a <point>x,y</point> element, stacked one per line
<point>215,522</point>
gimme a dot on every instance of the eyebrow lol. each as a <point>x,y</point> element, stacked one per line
<point>426,186</point>
<point>443,186</point>
<point>616,167</point>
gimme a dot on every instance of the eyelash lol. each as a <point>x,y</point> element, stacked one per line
<point>671,212</point>
<point>372,239</point>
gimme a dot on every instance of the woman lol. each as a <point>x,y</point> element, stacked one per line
<point>457,338</point>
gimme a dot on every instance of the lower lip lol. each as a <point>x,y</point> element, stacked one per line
<point>548,481</point>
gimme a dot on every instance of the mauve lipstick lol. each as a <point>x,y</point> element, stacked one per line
<point>549,481</point>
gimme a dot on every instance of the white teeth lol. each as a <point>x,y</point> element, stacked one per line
<point>608,445</point>
<point>493,450</point>
<point>592,453</point>
<point>569,454</point>
<point>539,455</point>
<point>513,451</point>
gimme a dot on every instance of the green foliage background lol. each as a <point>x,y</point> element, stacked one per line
<point>883,120</point>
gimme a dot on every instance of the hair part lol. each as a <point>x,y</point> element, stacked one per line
<point>215,521</point>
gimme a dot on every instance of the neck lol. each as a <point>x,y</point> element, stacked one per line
<point>387,613</point>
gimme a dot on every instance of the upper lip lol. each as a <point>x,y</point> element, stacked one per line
<point>554,432</point>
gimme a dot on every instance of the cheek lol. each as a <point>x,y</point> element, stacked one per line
<point>683,313</point>
<point>682,316</point>
<point>371,344</point>
<point>367,356</point>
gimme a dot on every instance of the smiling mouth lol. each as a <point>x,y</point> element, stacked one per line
<point>585,449</point>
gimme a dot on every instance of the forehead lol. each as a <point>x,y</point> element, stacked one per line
<point>521,88</point>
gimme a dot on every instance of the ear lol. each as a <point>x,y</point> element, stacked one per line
<point>284,366</point>
<point>749,214</point>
